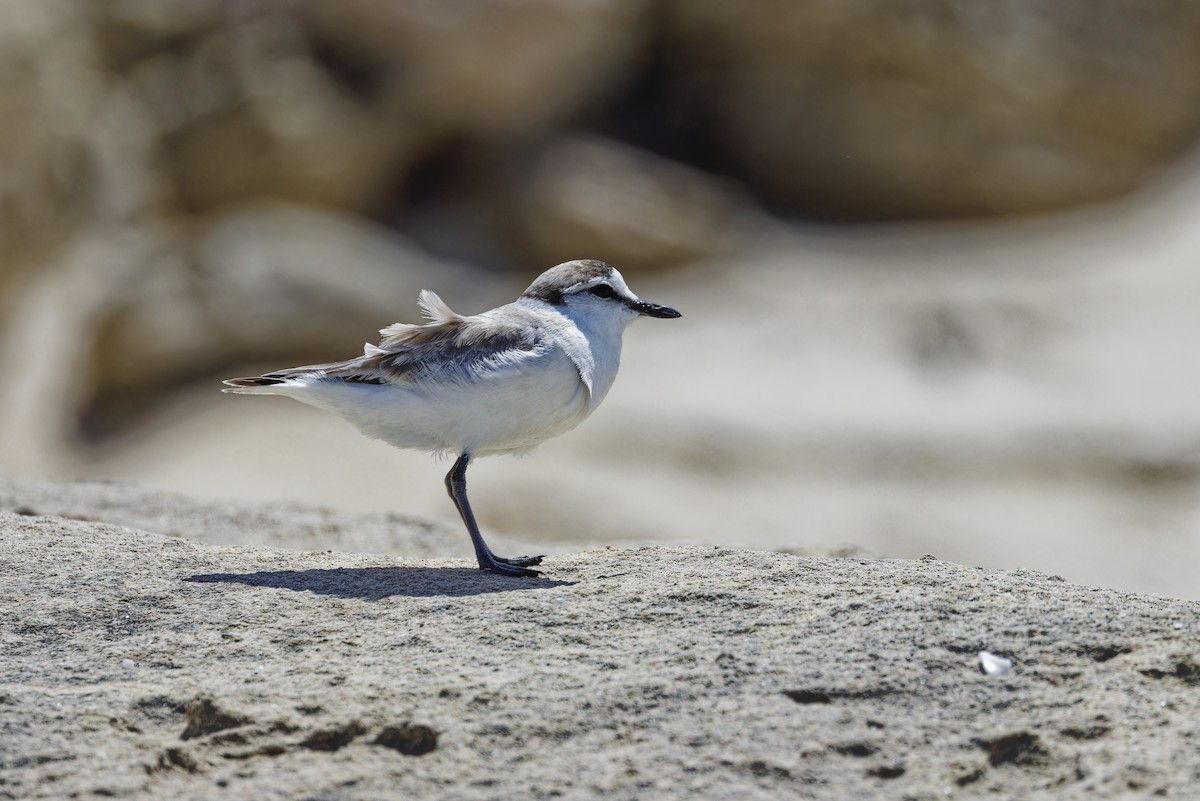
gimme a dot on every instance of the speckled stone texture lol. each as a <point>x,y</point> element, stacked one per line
<point>138,665</point>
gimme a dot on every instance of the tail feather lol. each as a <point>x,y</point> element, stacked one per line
<point>435,310</point>
<point>251,384</point>
<point>253,381</point>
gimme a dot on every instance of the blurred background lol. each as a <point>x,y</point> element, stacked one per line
<point>938,260</point>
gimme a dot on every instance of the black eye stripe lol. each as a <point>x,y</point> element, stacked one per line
<point>602,291</point>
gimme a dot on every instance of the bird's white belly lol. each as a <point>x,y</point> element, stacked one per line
<point>505,413</point>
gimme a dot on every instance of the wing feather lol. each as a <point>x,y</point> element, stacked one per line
<point>448,348</point>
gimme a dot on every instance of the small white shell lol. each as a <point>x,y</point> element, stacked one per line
<point>994,665</point>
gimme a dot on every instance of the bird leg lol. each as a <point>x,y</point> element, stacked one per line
<point>456,486</point>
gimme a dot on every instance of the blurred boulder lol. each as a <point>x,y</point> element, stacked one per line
<point>245,108</point>
<point>136,133</point>
<point>259,286</point>
<point>186,182</point>
<point>333,102</point>
<point>887,109</point>
<point>524,208</point>
<point>123,319</point>
<point>592,196</point>
<point>75,150</point>
<point>487,69</point>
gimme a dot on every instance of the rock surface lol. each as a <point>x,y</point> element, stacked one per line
<point>138,665</point>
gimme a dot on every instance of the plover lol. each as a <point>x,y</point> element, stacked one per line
<point>502,381</point>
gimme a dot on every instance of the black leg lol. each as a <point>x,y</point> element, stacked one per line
<point>456,486</point>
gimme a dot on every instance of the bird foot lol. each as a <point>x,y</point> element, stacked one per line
<point>516,566</point>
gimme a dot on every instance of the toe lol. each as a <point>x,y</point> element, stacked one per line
<point>521,561</point>
<point>506,569</point>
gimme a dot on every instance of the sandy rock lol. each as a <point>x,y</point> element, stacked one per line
<point>141,666</point>
<point>292,526</point>
<point>881,110</point>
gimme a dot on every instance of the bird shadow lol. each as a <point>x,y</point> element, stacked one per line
<point>376,583</point>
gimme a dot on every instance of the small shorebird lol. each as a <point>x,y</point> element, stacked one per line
<point>502,381</point>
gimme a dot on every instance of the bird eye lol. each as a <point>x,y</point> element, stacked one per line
<point>602,291</point>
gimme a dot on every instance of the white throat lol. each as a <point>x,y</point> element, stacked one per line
<point>591,337</point>
<point>602,330</point>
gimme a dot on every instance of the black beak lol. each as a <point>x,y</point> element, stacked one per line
<point>654,310</point>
